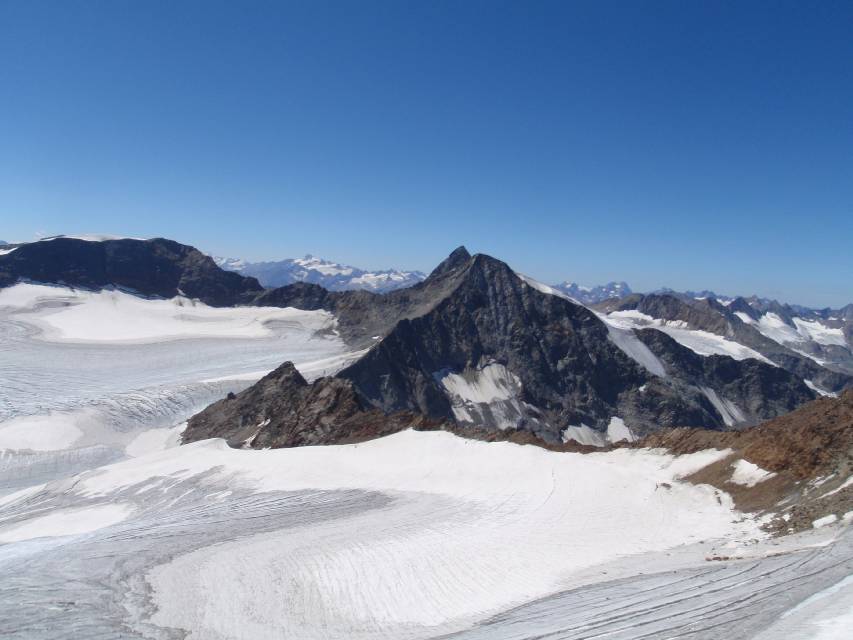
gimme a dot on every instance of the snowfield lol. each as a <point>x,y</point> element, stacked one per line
<point>117,316</point>
<point>109,528</point>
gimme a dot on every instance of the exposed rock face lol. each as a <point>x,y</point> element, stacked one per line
<point>474,345</point>
<point>568,371</point>
<point>362,315</point>
<point>477,346</point>
<point>155,267</point>
<point>283,410</point>
<point>804,460</point>
<point>814,440</point>
<point>754,389</point>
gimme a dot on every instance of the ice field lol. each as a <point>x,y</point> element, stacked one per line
<point>109,529</point>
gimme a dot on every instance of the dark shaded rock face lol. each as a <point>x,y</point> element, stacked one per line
<point>758,390</point>
<point>363,314</point>
<point>155,267</point>
<point>475,346</point>
<point>283,410</point>
<point>567,369</point>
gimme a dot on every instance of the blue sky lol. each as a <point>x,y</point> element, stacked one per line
<point>686,144</point>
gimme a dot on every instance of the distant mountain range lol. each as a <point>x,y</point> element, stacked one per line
<point>593,295</point>
<point>477,346</point>
<point>327,274</point>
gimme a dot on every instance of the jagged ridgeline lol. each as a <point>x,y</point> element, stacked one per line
<point>474,346</point>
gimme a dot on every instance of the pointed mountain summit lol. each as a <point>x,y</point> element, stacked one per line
<point>478,346</point>
<point>457,258</point>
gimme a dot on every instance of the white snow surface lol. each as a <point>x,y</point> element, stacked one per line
<point>489,394</point>
<point>91,237</point>
<point>747,474</point>
<point>50,432</point>
<point>634,348</point>
<point>704,343</point>
<point>727,409</point>
<point>826,615</point>
<point>775,328</point>
<point>543,516</point>
<point>583,434</point>
<point>617,431</point>
<point>66,522</point>
<point>414,535</point>
<point>74,315</point>
<point>820,333</point>
<point>811,385</point>
<point>544,288</point>
<point>824,521</point>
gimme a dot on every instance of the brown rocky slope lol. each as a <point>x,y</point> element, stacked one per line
<point>809,452</point>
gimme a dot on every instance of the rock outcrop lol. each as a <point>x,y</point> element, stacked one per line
<point>283,410</point>
<point>157,267</point>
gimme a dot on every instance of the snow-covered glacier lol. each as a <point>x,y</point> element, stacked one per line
<point>110,529</point>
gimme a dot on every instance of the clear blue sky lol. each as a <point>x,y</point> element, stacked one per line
<point>689,144</point>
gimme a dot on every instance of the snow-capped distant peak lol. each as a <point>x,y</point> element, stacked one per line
<point>592,295</point>
<point>229,264</point>
<point>328,274</point>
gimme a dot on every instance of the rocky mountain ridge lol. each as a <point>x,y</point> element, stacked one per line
<point>476,345</point>
<point>826,361</point>
<point>157,267</point>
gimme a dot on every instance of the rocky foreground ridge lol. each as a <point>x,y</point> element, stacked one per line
<point>807,456</point>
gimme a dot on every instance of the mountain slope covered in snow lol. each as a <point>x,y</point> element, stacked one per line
<point>330,275</point>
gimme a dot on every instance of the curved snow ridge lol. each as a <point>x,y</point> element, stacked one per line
<point>421,561</point>
<point>544,288</point>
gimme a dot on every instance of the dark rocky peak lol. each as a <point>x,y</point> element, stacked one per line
<point>301,295</point>
<point>477,346</point>
<point>626,303</point>
<point>156,267</point>
<point>459,257</point>
<point>283,410</point>
<point>741,305</point>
